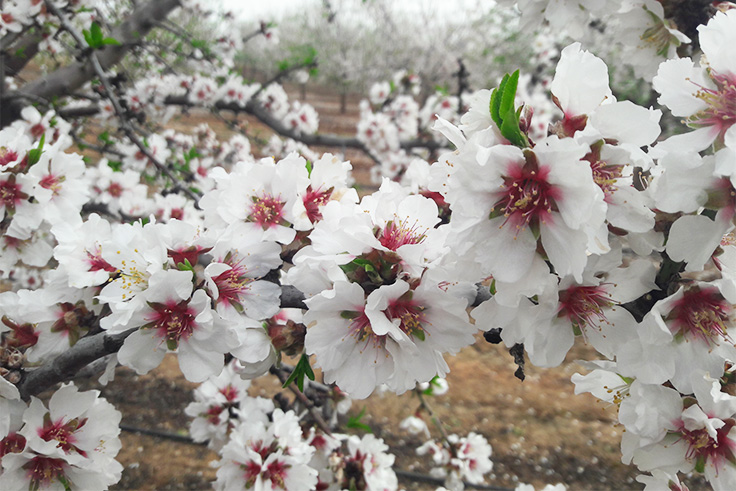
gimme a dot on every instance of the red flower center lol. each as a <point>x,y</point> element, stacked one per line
<point>313,202</point>
<point>7,156</point>
<point>398,233</point>
<point>95,261</point>
<point>266,211</point>
<point>583,305</point>
<point>527,198</point>
<point>721,110</point>
<point>42,471</point>
<point>172,321</point>
<point>701,313</point>
<point>10,193</point>
<point>233,283</point>
<point>410,314</point>
<point>62,432</point>
<point>703,448</point>
<point>13,443</point>
<point>52,182</point>
<point>115,189</point>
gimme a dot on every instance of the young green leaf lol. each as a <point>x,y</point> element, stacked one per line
<point>355,422</point>
<point>301,370</point>
<point>34,155</point>
<point>511,131</point>
<point>96,32</point>
<point>508,94</point>
<point>496,96</point>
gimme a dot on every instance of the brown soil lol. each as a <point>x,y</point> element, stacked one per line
<point>540,431</point>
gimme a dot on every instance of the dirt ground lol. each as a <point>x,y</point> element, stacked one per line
<point>540,431</point>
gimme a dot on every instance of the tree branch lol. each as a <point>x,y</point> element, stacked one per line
<point>65,366</point>
<point>67,79</point>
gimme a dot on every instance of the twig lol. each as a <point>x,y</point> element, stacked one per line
<point>161,434</point>
<point>124,124</point>
<point>282,74</point>
<point>436,420</point>
<point>304,400</point>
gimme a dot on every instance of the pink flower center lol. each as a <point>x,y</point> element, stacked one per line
<point>7,156</point>
<point>410,315</point>
<point>398,233</point>
<point>276,473</point>
<point>115,189</point>
<point>703,448</point>
<point>233,283</point>
<point>584,305</point>
<point>360,327</point>
<point>527,198</point>
<point>605,175</point>
<point>10,193</point>
<point>173,321</point>
<point>95,261</point>
<point>266,211</point>
<point>13,443</point>
<point>230,393</point>
<point>213,414</point>
<point>721,111</point>
<point>176,214</point>
<point>62,433</point>
<point>314,201</point>
<point>252,471</point>
<point>42,471</point>
<point>702,313</point>
<point>52,182</point>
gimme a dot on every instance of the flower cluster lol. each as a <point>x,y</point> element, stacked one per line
<point>72,444</point>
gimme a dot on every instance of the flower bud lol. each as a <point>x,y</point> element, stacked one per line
<point>288,337</point>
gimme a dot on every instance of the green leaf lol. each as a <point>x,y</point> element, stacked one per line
<point>115,165</point>
<point>496,97</point>
<point>508,94</point>
<point>301,370</point>
<point>87,38</point>
<point>355,423</point>
<point>111,41</point>
<point>429,391</point>
<point>96,34</point>
<point>34,155</point>
<point>364,263</point>
<point>510,128</point>
<point>309,168</point>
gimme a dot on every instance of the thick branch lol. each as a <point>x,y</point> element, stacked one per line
<point>20,52</point>
<point>65,366</point>
<point>67,79</point>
